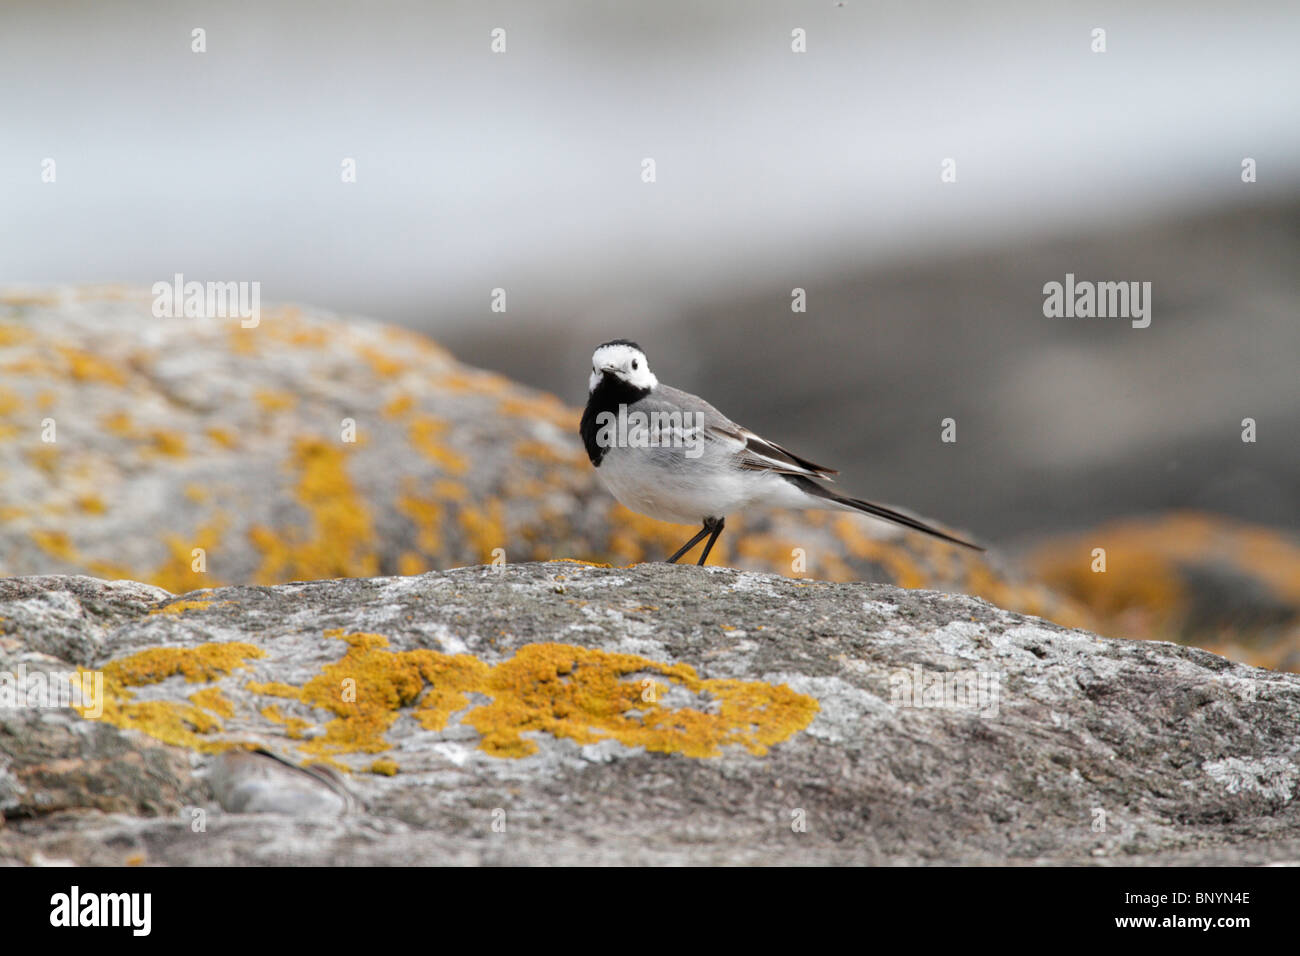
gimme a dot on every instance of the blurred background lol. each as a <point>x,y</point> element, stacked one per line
<point>820,170</point>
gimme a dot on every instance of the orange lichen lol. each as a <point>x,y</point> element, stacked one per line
<point>901,567</point>
<point>559,689</point>
<point>11,334</point>
<point>447,490</point>
<point>177,574</point>
<point>85,367</point>
<point>203,663</point>
<point>426,514</point>
<point>383,365</point>
<point>562,690</point>
<point>1146,589</point>
<point>288,325</point>
<point>118,423</point>
<point>178,608</point>
<point>1027,598</point>
<point>634,537</point>
<point>365,689</point>
<point>28,365</point>
<point>475,382</point>
<point>1137,584</point>
<point>770,551</point>
<point>409,564</point>
<point>549,454</point>
<point>167,443</point>
<point>581,694</point>
<point>109,570</point>
<point>56,544</point>
<point>273,689</point>
<point>340,541</point>
<point>45,458</point>
<point>185,724</point>
<point>295,727</point>
<point>91,504</point>
<point>242,341</point>
<point>224,437</point>
<point>155,441</point>
<point>541,406</point>
<point>426,434</point>
<point>398,406</point>
<point>211,698</point>
<point>485,527</point>
<point>273,401</point>
<point>316,338</point>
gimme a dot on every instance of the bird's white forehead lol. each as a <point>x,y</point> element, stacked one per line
<point>616,355</point>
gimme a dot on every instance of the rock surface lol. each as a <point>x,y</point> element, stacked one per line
<point>562,713</point>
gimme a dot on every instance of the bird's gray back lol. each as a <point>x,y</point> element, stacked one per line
<point>667,399</point>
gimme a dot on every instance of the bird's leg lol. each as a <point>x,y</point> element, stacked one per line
<point>692,543</point>
<point>717,530</point>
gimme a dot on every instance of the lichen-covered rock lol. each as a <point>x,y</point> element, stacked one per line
<point>190,453</point>
<point>1228,586</point>
<point>563,713</point>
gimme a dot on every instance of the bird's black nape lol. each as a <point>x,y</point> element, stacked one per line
<point>627,342</point>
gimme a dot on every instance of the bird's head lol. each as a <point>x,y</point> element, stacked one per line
<point>624,361</point>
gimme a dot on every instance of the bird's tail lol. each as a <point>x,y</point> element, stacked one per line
<point>876,511</point>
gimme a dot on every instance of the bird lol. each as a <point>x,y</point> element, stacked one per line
<point>672,456</point>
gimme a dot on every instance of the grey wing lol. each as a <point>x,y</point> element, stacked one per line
<point>751,451</point>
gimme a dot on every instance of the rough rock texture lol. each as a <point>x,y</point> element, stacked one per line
<point>561,713</point>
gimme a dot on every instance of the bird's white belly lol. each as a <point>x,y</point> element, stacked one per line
<point>671,488</point>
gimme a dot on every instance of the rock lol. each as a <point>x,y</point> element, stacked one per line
<point>191,453</point>
<point>258,781</point>
<point>1228,586</point>
<point>563,713</point>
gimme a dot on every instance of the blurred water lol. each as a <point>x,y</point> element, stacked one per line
<point>521,170</point>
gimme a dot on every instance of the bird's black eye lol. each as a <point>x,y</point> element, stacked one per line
<point>634,365</point>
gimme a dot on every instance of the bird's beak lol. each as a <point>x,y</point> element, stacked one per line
<point>609,368</point>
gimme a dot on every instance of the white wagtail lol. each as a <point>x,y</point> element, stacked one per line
<point>673,456</point>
